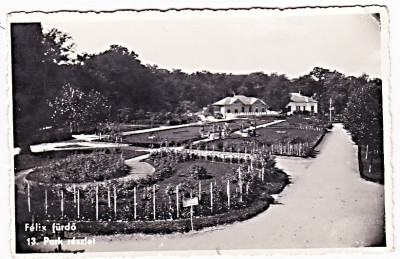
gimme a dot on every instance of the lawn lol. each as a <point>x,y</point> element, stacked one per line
<point>131,127</point>
<point>281,139</point>
<point>186,134</point>
<point>266,136</point>
<point>304,120</point>
<point>173,136</point>
<point>270,136</point>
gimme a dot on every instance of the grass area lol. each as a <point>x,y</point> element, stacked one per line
<point>174,136</point>
<point>131,127</point>
<point>270,136</point>
<point>377,168</point>
<point>303,120</point>
<point>186,134</point>
<point>306,131</point>
<point>218,172</point>
<point>266,136</point>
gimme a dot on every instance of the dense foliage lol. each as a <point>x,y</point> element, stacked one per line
<point>81,168</point>
<point>363,114</point>
<point>43,66</point>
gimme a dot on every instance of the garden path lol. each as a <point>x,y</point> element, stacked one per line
<point>127,133</point>
<point>240,133</point>
<point>138,169</point>
<point>328,204</point>
<point>257,127</point>
<point>73,145</point>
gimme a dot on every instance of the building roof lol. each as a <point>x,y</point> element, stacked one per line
<point>243,99</point>
<point>299,98</point>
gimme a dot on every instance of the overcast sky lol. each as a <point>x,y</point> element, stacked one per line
<point>233,42</point>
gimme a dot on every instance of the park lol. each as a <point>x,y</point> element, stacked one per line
<point>131,149</point>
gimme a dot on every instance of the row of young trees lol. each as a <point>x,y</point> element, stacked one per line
<point>363,117</point>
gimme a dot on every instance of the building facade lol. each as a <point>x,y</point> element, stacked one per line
<point>301,103</point>
<point>240,105</point>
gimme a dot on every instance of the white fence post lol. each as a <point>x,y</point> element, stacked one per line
<point>134,202</point>
<point>177,201</point>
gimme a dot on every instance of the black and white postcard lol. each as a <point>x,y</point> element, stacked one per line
<point>200,131</point>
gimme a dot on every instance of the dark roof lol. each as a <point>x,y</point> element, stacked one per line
<point>243,99</point>
<point>299,98</point>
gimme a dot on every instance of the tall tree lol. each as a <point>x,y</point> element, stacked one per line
<point>74,108</point>
<point>363,114</point>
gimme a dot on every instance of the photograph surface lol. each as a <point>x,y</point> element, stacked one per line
<point>200,131</point>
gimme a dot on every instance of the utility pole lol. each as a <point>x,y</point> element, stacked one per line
<point>330,110</point>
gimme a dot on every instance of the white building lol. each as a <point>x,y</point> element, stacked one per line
<point>301,103</point>
<point>240,105</point>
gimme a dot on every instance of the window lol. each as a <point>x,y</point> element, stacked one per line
<point>236,110</point>
<point>242,108</point>
<point>228,111</point>
<point>256,109</point>
<point>312,109</point>
<point>250,109</point>
<point>297,108</point>
<point>304,108</point>
<point>263,109</point>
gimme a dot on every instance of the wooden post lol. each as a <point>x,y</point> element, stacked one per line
<point>177,201</point>
<point>74,187</point>
<point>134,202</point>
<point>115,201</point>
<point>62,203</point>
<point>154,201</point>
<point>97,202</point>
<point>191,216</point>
<point>211,196</point>
<point>228,192</point>
<point>262,174</point>
<point>77,205</point>
<point>199,190</point>
<point>29,198</point>
<point>366,152</point>
<point>247,187</point>
<point>109,197</point>
<point>240,185</point>
<point>45,201</point>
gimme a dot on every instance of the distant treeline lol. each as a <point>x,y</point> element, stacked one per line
<point>42,66</point>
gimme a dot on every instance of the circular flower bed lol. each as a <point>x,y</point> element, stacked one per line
<point>82,168</point>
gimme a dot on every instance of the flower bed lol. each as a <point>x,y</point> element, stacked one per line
<point>81,168</point>
<point>226,194</point>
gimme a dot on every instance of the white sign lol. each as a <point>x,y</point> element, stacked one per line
<point>190,202</point>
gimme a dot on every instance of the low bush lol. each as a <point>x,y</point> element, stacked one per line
<point>96,166</point>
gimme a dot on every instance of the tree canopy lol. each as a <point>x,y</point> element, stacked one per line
<point>43,64</point>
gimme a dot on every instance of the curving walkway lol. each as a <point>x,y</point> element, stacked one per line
<point>138,169</point>
<point>327,205</point>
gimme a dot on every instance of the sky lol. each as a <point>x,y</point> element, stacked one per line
<point>237,42</point>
